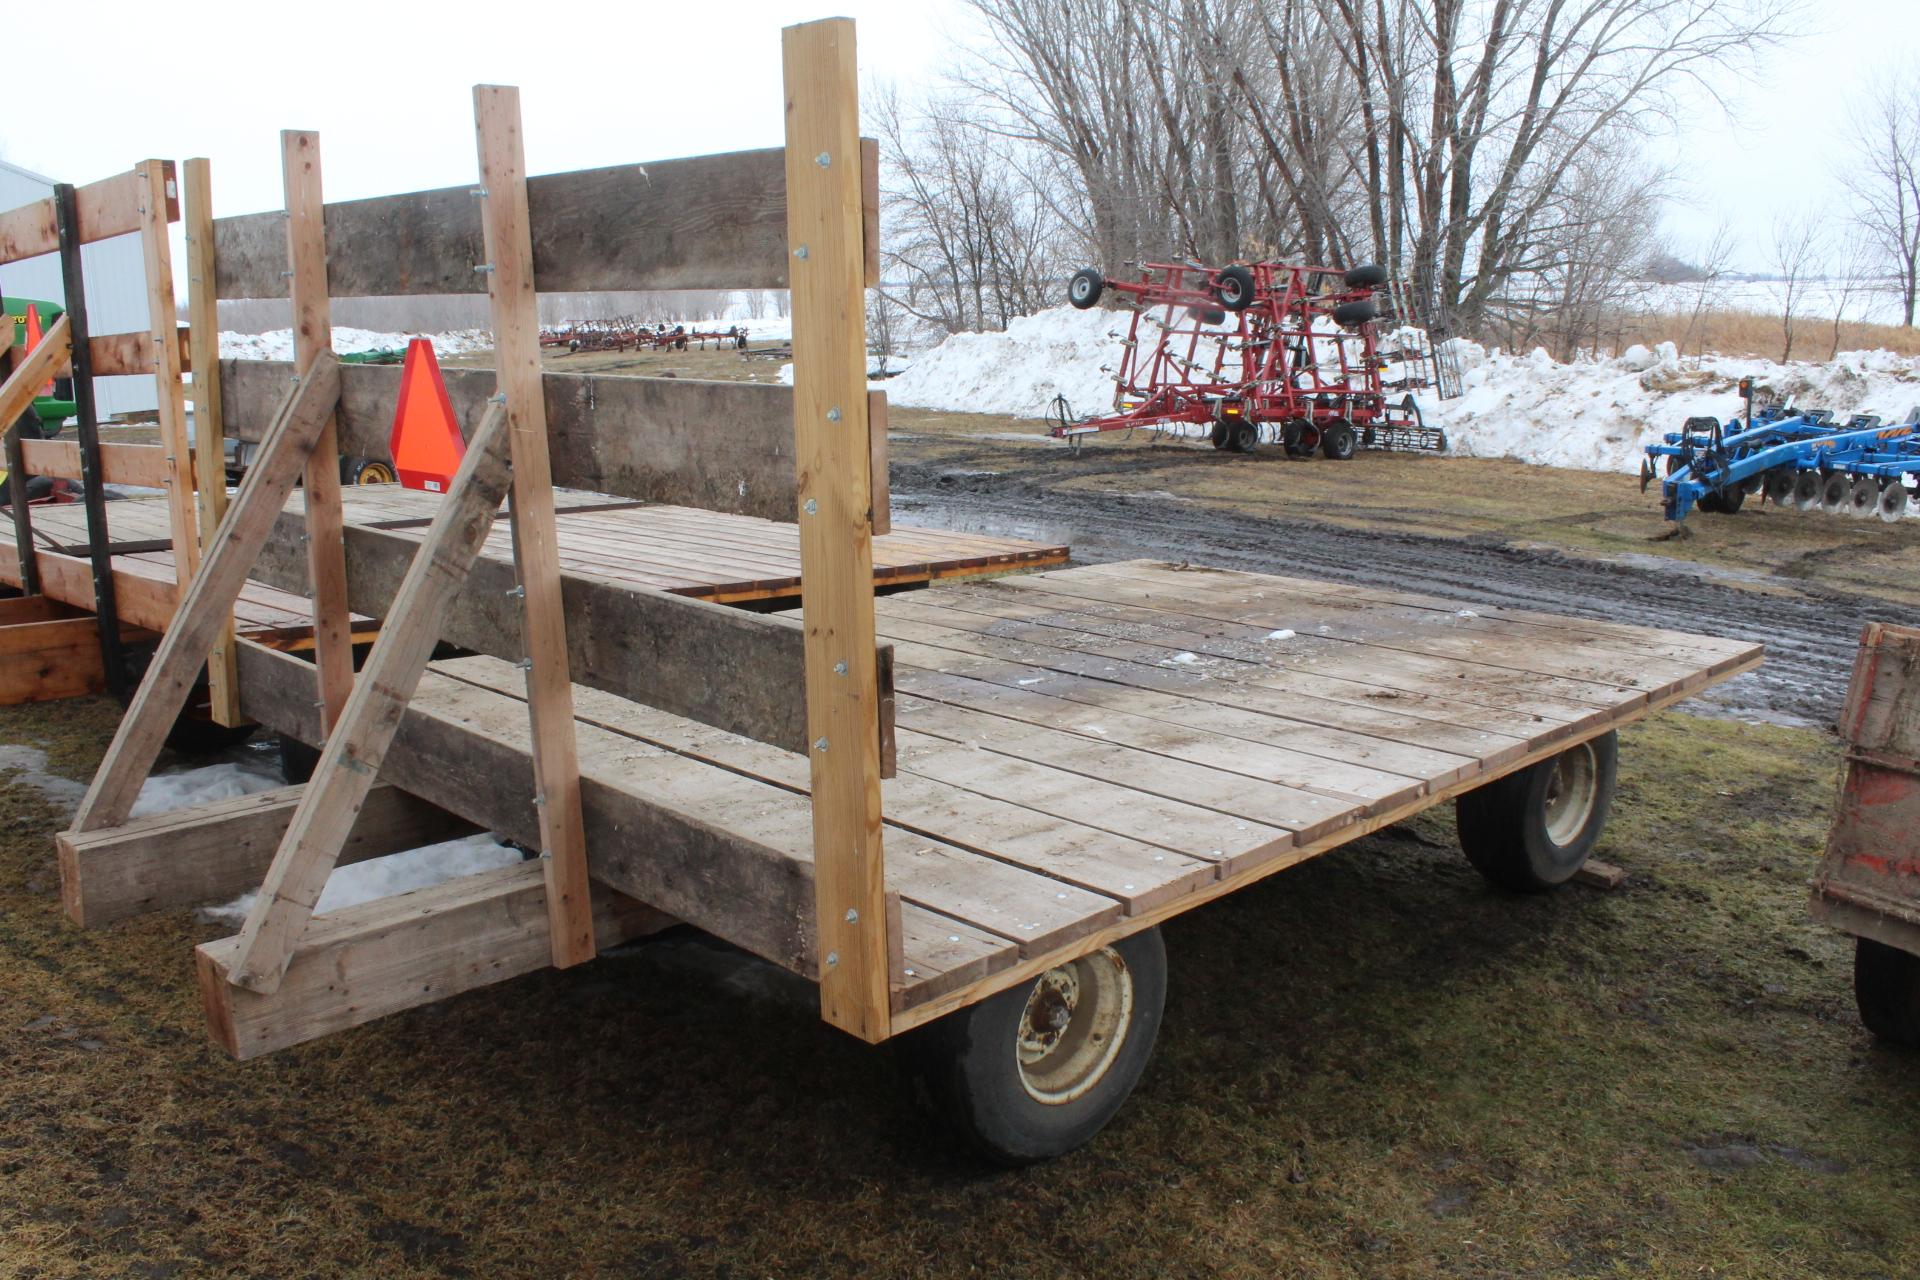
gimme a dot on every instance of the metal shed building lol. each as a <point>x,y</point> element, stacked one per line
<point>116,288</point>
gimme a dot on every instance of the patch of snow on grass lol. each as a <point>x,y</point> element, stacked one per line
<point>396,873</point>
<point>277,344</point>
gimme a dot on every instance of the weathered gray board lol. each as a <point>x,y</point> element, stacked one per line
<point>652,849</point>
<point>722,446</point>
<point>709,222</point>
<point>739,671</point>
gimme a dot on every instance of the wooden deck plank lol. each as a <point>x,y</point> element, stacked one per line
<point>1135,872</point>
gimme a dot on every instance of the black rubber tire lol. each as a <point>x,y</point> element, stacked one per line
<point>1222,434</point>
<point>1503,825</point>
<point>1711,503</point>
<point>1369,276</point>
<point>1209,315</point>
<point>1351,315</point>
<point>1084,290</point>
<point>1886,987</point>
<point>1732,498</point>
<point>297,760</point>
<point>1234,287</point>
<point>1339,442</point>
<point>358,471</point>
<point>969,1064</point>
<point>1246,437</point>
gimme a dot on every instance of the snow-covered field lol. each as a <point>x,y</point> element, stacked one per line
<point>277,344</point>
<point>1596,415</point>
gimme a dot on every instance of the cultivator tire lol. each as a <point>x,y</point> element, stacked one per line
<point>1037,1070</point>
<point>1893,502</point>
<point>1533,829</point>
<point>1779,486</point>
<point>1863,498</point>
<point>1886,988</point>
<point>1246,438</point>
<point>1084,290</point>
<point>1221,435</point>
<point>1235,288</point>
<point>1351,315</point>
<point>1366,277</point>
<point>1806,490</point>
<point>1338,441</point>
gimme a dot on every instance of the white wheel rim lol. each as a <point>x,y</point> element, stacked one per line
<point>1073,1026</point>
<point>1572,790</point>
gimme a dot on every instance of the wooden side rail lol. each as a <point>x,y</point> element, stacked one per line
<point>735,670</point>
<point>107,208</point>
<point>214,852</point>
<point>723,446</point>
<point>708,222</point>
<point>135,464</point>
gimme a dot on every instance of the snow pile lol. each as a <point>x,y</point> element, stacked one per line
<point>277,344</point>
<point>1599,415</point>
<point>1593,414</point>
<point>1019,372</point>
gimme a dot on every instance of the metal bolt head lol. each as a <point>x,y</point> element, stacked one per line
<point>840,668</point>
<point>833,415</point>
<point>801,252</point>
<point>812,508</point>
<point>853,916</point>
<point>833,958</point>
<point>823,160</point>
<point>820,744</point>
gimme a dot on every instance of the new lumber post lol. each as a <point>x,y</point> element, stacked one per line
<point>313,334</point>
<point>833,456</point>
<point>209,461</point>
<point>159,207</point>
<point>508,237</point>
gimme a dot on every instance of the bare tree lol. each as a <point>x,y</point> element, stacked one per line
<point>1856,278</point>
<point>1796,249</point>
<point>973,239</point>
<point>1884,179</point>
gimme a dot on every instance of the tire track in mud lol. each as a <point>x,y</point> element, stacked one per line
<point>1811,630</point>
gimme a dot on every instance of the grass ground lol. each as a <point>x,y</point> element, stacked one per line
<point>1372,1066</point>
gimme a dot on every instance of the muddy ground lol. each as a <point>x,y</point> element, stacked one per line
<point>1371,1066</point>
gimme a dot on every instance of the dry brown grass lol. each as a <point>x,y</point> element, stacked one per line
<point>1752,333</point>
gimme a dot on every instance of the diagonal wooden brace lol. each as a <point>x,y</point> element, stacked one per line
<point>358,742</point>
<point>31,372</point>
<point>209,598</point>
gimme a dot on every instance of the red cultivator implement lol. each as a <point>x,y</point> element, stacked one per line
<point>620,335</point>
<point>1256,351</point>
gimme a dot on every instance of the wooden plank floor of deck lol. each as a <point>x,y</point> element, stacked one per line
<point>1085,752</point>
<point>711,555</point>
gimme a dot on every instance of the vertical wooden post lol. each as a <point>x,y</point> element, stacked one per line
<point>312,334</point>
<point>209,461</point>
<point>536,553</point>
<point>157,204</point>
<point>833,456</point>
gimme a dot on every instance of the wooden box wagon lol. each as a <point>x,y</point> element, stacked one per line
<point>963,811</point>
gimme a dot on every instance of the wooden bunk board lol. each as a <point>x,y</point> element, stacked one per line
<point>1083,753</point>
<point>708,554</point>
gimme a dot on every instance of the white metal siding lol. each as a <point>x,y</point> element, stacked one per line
<point>116,289</point>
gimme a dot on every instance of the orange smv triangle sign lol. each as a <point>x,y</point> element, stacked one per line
<point>426,442</point>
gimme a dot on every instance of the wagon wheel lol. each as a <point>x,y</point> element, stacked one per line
<point>1533,829</point>
<point>1037,1070</point>
<point>1886,988</point>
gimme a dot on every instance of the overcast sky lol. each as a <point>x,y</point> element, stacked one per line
<point>602,83</point>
